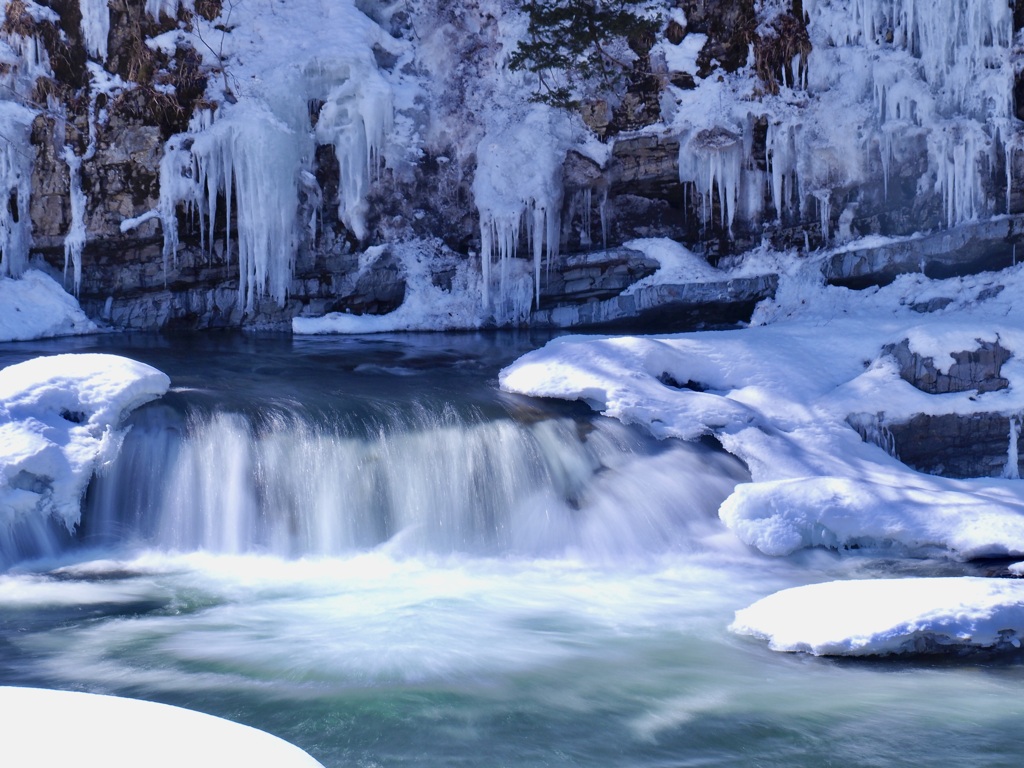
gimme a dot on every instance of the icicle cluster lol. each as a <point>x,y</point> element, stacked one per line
<point>944,69</point>
<point>16,159</point>
<point>252,157</point>
<point>713,160</point>
<point>23,59</point>
<point>356,117</point>
<point>95,27</point>
<point>885,80</point>
<point>518,190</point>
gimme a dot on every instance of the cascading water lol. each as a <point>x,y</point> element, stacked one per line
<point>287,482</point>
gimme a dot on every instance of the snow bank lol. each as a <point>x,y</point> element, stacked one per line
<point>782,398</point>
<point>37,307</point>
<point>889,616</point>
<point>124,733</point>
<point>59,419</point>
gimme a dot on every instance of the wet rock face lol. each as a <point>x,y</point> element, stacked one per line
<point>951,445</point>
<point>978,369</point>
<point>600,275</point>
<point>379,288</point>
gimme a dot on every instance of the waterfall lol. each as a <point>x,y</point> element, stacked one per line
<point>291,484</point>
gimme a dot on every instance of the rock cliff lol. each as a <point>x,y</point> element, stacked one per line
<point>803,124</point>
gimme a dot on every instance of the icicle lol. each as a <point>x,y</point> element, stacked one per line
<point>74,241</point>
<point>16,158</point>
<point>1012,469</point>
<point>603,212</point>
<point>95,27</point>
<point>1008,163</point>
<point>824,198</point>
<point>885,149</point>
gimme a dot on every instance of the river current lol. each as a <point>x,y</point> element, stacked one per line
<point>362,546</point>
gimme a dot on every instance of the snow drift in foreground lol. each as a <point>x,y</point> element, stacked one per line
<point>782,396</point>
<point>59,419</point>
<point>889,616</point>
<point>36,307</point>
<point>122,733</point>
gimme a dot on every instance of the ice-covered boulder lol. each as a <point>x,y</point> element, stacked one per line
<point>60,420</point>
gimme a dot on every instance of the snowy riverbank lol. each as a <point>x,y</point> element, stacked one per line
<point>787,395</point>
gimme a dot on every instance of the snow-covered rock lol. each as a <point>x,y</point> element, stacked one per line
<point>52,728</point>
<point>60,420</point>
<point>878,617</point>
<point>36,307</point>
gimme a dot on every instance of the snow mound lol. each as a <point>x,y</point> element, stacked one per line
<point>889,616</point>
<point>118,733</point>
<point>843,513</point>
<point>36,307</point>
<point>59,419</point>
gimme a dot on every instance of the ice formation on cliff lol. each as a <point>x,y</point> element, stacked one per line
<point>518,186</point>
<point>254,152</point>
<point>22,60</point>
<point>16,158</point>
<point>884,80</point>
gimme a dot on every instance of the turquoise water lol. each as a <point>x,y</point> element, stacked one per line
<point>361,546</point>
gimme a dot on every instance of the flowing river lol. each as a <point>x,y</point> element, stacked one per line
<point>362,546</point>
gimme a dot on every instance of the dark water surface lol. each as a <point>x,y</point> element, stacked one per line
<point>360,545</point>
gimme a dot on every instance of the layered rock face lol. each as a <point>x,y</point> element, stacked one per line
<point>982,444</point>
<point>199,163</point>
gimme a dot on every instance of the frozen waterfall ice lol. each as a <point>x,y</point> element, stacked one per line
<point>518,187</point>
<point>250,157</point>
